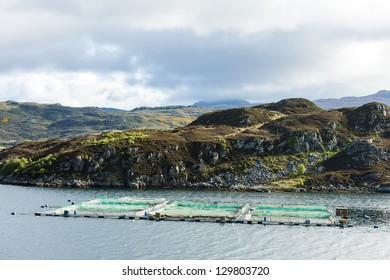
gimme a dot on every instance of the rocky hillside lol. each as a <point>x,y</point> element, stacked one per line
<point>291,145</point>
<point>32,121</point>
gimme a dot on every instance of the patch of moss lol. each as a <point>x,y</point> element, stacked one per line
<point>276,162</point>
<point>289,183</point>
<point>115,136</point>
<point>222,142</point>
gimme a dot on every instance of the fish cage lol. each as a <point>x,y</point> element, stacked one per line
<point>291,213</point>
<point>187,209</point>
<point>114,206</point>
<point>221,212</point>
<point>121,204</point>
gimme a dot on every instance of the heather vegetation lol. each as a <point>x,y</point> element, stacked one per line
<point>289,145</point>
<point>31,121</point>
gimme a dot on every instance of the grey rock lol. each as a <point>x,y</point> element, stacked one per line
<point>109,152</point>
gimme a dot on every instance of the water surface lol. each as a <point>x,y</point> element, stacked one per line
<point>25,236</point>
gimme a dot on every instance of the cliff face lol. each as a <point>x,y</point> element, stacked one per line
<point>291,145</point>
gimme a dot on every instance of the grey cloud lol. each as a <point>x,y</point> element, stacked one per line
<point>125,36</point>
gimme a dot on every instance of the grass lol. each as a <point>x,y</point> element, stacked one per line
<point>115,136</point>
<point>289,183</point>
<point>27,166</point>
<point>222,142</point>
<point>21,122</point>
<point>14,165</point>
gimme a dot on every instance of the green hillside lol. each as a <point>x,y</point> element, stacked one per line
<point>32,121</point>
<point>291,145</point>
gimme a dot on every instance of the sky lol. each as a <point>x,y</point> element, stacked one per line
<point>130,53</point>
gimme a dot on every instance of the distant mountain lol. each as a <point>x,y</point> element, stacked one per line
<point>225,104</point>
<point>112,109</point>
<point>382,96</point>
<point>158,108</point>
<point>33,121</point>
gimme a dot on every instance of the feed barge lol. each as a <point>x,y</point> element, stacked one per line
<point>160,209</point>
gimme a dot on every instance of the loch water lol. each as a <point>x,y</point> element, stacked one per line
<point>26,236</point>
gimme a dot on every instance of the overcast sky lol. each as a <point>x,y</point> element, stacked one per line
<point>128,53</point>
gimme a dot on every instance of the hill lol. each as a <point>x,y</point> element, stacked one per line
<point>291,145</point>
<point>32,121</point>
<point>382,96</point>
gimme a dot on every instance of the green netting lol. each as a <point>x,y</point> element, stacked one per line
<point>293,208</point>
<point>109,207</point>
<point>192,209</point>
<point>112,201</point>
<point>119,204</point>
<point>201,209</point>
<point>208,206</point>
<point>196,212</point>
<point>311,214</point>
<point>320,212</point>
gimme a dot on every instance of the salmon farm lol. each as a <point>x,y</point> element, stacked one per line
<point>160,209</point>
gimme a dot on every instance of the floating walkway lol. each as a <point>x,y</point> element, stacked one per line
<point>190,211</point>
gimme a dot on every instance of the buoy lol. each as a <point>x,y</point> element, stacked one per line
<point>376,226</point>
<point>69,200</point>
<point>42,206</point>
<point>72,203</point>
<point>46,205</point>
<point>13,213</point>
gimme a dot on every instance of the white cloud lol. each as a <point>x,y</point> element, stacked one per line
<point>93,50</point>
<point>82,89</point>
<point>347,67</point>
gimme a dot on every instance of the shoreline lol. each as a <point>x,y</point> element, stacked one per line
<point>241,188</point>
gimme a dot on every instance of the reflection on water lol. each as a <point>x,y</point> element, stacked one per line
<point>25,236</point>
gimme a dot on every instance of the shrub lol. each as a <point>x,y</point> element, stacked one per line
<point>39,166</point>
<point>114,136</point>
<point>301,169</point>
<point>222,142</point>
<point>26,166</point>
<point>14,165</point>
